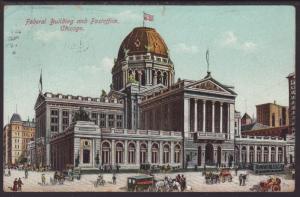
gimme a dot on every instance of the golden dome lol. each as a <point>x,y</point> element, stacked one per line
<point>142,40</point>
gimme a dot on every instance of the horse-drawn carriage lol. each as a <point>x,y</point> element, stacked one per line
<point>140,183</point>
<point>225,175</point>
<point>272,184</point>
<point>212,177</point>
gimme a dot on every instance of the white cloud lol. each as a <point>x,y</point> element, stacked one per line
<point>47,36</point>
<point>248,46</point>
<point>126,15</point>
<point>229,39</point>
<point>184,48</point>
<point>105,66</point>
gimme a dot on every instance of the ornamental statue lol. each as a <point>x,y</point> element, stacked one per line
<point>81,115</point>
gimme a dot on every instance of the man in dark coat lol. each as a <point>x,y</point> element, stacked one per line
<point>20,183</point>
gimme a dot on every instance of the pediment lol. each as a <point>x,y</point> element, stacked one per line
<point>208,85</point>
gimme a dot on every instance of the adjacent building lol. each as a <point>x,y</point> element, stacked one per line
<point>16,135</point>
<point>246,119</point>
<point>272,114</point>
<point>292,101</point>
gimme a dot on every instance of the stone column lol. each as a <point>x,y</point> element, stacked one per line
<point>240,151</point>
<point>213,116</point>
<point>221,117</point>
<point>186,117</point>
<point>60,120</point>
<point>202,157</point>
<point>196,116</point>
<point>161,152</point>
<point>70,117</point>
<point>150,76</point>
<point>269,153</point>
<point>98,119</point>
<point>255,153</point>
<point>248,154</point>
<point>228,122</point>
<point>154,77</point>
<point>262,154</point>
<point>126,152</point>
<point>137,153</point>
<point>276,154</point>
<point>106,120</point>
<point>204,118</point>
<point>172,153</point>
<point>149,151</point>
<point>113,152</point>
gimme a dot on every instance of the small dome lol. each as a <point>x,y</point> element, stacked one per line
<point>142,40</point>
<point>15,118</point>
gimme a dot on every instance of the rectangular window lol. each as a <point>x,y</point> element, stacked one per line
<point>54,120</point>
<point>102,120</point>
<point>111,120</point>
<point>119,121</point>
<point>65,119</point>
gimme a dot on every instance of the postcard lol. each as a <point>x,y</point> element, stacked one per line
<point>149,98</point>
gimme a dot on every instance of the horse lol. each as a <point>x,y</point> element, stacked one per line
<point>161,186</point>
<point>176,185</point>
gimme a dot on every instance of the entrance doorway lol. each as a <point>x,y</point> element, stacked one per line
<point>209,154</point>
<point>199,156</point>
<point>219,156</point>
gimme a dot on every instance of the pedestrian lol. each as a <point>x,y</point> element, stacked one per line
<point>9,172</point>
<point>20,183</point>
<point>26,173</point>
<point>236,171</point>
<point>241,179</point>
<point>114,178</point>
<point>15,185</point>
<point>43,179</point>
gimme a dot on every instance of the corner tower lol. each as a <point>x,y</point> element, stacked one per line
<point>143,57</point>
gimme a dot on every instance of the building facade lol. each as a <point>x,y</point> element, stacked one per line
<point>16,135</point>
<point>272,114</point>
<point>246,119</point>
<point>147,118</point>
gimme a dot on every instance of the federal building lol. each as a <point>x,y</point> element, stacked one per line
<point>148,117</point>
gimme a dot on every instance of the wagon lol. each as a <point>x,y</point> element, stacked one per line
<point>140,183</point>
<point>272,184</point>
<point>225,175</point>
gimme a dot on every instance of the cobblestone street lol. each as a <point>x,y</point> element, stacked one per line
<point>86,183</point>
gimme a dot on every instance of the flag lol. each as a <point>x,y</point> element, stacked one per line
<point>41,82</point>
<point>148,17</point>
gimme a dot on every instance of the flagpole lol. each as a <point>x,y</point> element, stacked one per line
<point>143,19</point>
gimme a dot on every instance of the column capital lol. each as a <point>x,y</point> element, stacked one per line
<point>196,99</point>
<point>204,101</point>
<point>221,103</point>
<point>213,102</point>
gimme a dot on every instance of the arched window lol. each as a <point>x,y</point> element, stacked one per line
<point>177,154</point>
<point>159,77</point>
<point>154,151</point>
<point>258,152</point>
<point>131,153</point>
<point>166,156</point>
<point>273,154</point>
<point>251,156</point>
<point>165,78</point>
<point>266,154</point>
<point>280,155</point>
<point>244,154</point>
<point>119,153</point>
<point>143,153</point>
<point>106,153</point>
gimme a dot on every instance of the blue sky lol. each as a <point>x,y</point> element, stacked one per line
<point>251,48</point>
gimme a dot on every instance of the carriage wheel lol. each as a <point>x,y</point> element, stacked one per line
<point>275,188</point>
